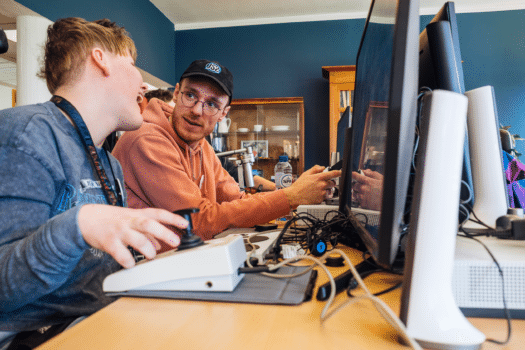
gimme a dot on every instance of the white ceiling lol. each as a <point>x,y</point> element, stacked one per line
<point>206,14</point>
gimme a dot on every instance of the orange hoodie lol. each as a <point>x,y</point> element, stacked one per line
<point>162,171</point>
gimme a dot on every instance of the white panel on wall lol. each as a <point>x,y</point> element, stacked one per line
<point>6,97</point>
<point>7,72</point>
<point>32,35</point>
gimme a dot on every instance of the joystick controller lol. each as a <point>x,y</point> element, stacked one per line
<point>188,239</point>
<point>212,267</point>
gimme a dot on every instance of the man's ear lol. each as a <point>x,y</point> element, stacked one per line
<point>99,59</point>
<point>176,91</point>
<point>224,113</point>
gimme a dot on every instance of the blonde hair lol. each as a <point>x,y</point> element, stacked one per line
<point>69,43</point>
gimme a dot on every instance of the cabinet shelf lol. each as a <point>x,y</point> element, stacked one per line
<point>287,112</point>
<point>263,133</point>
<point>276,159</point>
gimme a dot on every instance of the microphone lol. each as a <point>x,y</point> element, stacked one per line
<point>247,160</point>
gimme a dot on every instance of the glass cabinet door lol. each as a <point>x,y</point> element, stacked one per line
<point>272,127</point>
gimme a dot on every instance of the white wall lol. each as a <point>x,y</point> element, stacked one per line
<point>32,36</point>
<point>6,98</point>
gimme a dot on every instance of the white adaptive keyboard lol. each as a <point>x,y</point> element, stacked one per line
<point>262,241</point>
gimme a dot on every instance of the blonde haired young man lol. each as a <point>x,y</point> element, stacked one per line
<point>64,226</point>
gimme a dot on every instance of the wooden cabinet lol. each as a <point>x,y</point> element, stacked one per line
<point>272,126</point>
<point>342,83</point>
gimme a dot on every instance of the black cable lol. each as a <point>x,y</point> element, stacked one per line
<point>276,250</point>
<point>491,231</point>
<point>377,269</point>
<point>478,221</point>
<point>256,269</point>
<point>469,189</point>
<point>313,229</point>
<point>388,290</point>
<point>364,215</point>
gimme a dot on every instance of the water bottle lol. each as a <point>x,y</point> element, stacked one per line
<point>283,173</point>
<point>283,178</point>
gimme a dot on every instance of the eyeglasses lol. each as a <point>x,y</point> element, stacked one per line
<point>190,100</point>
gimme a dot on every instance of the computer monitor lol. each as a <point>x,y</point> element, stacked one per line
<point>439,53</point>
<point>383,123</point>
<point>440,67</point>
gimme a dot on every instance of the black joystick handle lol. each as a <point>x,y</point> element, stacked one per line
<point>188,239</point>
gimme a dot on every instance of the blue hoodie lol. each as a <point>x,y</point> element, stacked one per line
<point>48,273</point>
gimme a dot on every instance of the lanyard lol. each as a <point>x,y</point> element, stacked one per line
<point>83,132</point>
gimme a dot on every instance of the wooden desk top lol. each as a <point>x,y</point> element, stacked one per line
<point>139,323</point>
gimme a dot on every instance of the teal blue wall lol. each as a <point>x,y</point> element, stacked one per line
<point>280,60</point>
<point>153,33</point>
<point>284,60</point>
<point>493,52</point>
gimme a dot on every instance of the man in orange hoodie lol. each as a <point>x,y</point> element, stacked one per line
<point>172,166</point>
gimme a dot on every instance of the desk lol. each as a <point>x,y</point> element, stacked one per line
<point>136,323</point>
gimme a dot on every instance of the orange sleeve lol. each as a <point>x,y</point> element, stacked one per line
<point>155,170</point>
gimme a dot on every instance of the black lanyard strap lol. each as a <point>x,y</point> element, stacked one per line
<point>90,148</point>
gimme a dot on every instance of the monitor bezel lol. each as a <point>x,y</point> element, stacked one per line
<point>400,137</point>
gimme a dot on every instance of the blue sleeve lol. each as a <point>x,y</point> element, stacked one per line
<point>37,252</point>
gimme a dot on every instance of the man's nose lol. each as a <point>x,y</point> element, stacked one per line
<point>198,107</point>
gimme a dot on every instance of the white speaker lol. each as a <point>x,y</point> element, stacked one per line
<point>428,308</point>
<point>490,194</point>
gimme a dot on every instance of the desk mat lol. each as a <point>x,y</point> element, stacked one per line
<point>254,288</point>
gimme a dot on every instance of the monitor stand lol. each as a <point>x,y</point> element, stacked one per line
<point>428,308</point>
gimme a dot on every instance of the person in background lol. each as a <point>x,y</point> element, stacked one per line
<point>172,166</point>
<point>64,225</point>
<point>143,101</point>
<point>161,94</point>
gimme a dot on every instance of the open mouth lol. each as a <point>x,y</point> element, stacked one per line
<point>140,97</point>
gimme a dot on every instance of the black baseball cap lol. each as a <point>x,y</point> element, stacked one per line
<point>213,70</point>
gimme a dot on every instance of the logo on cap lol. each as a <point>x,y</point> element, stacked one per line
<point>213,67</point>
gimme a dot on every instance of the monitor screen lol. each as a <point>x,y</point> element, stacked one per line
<point>377,166</point>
